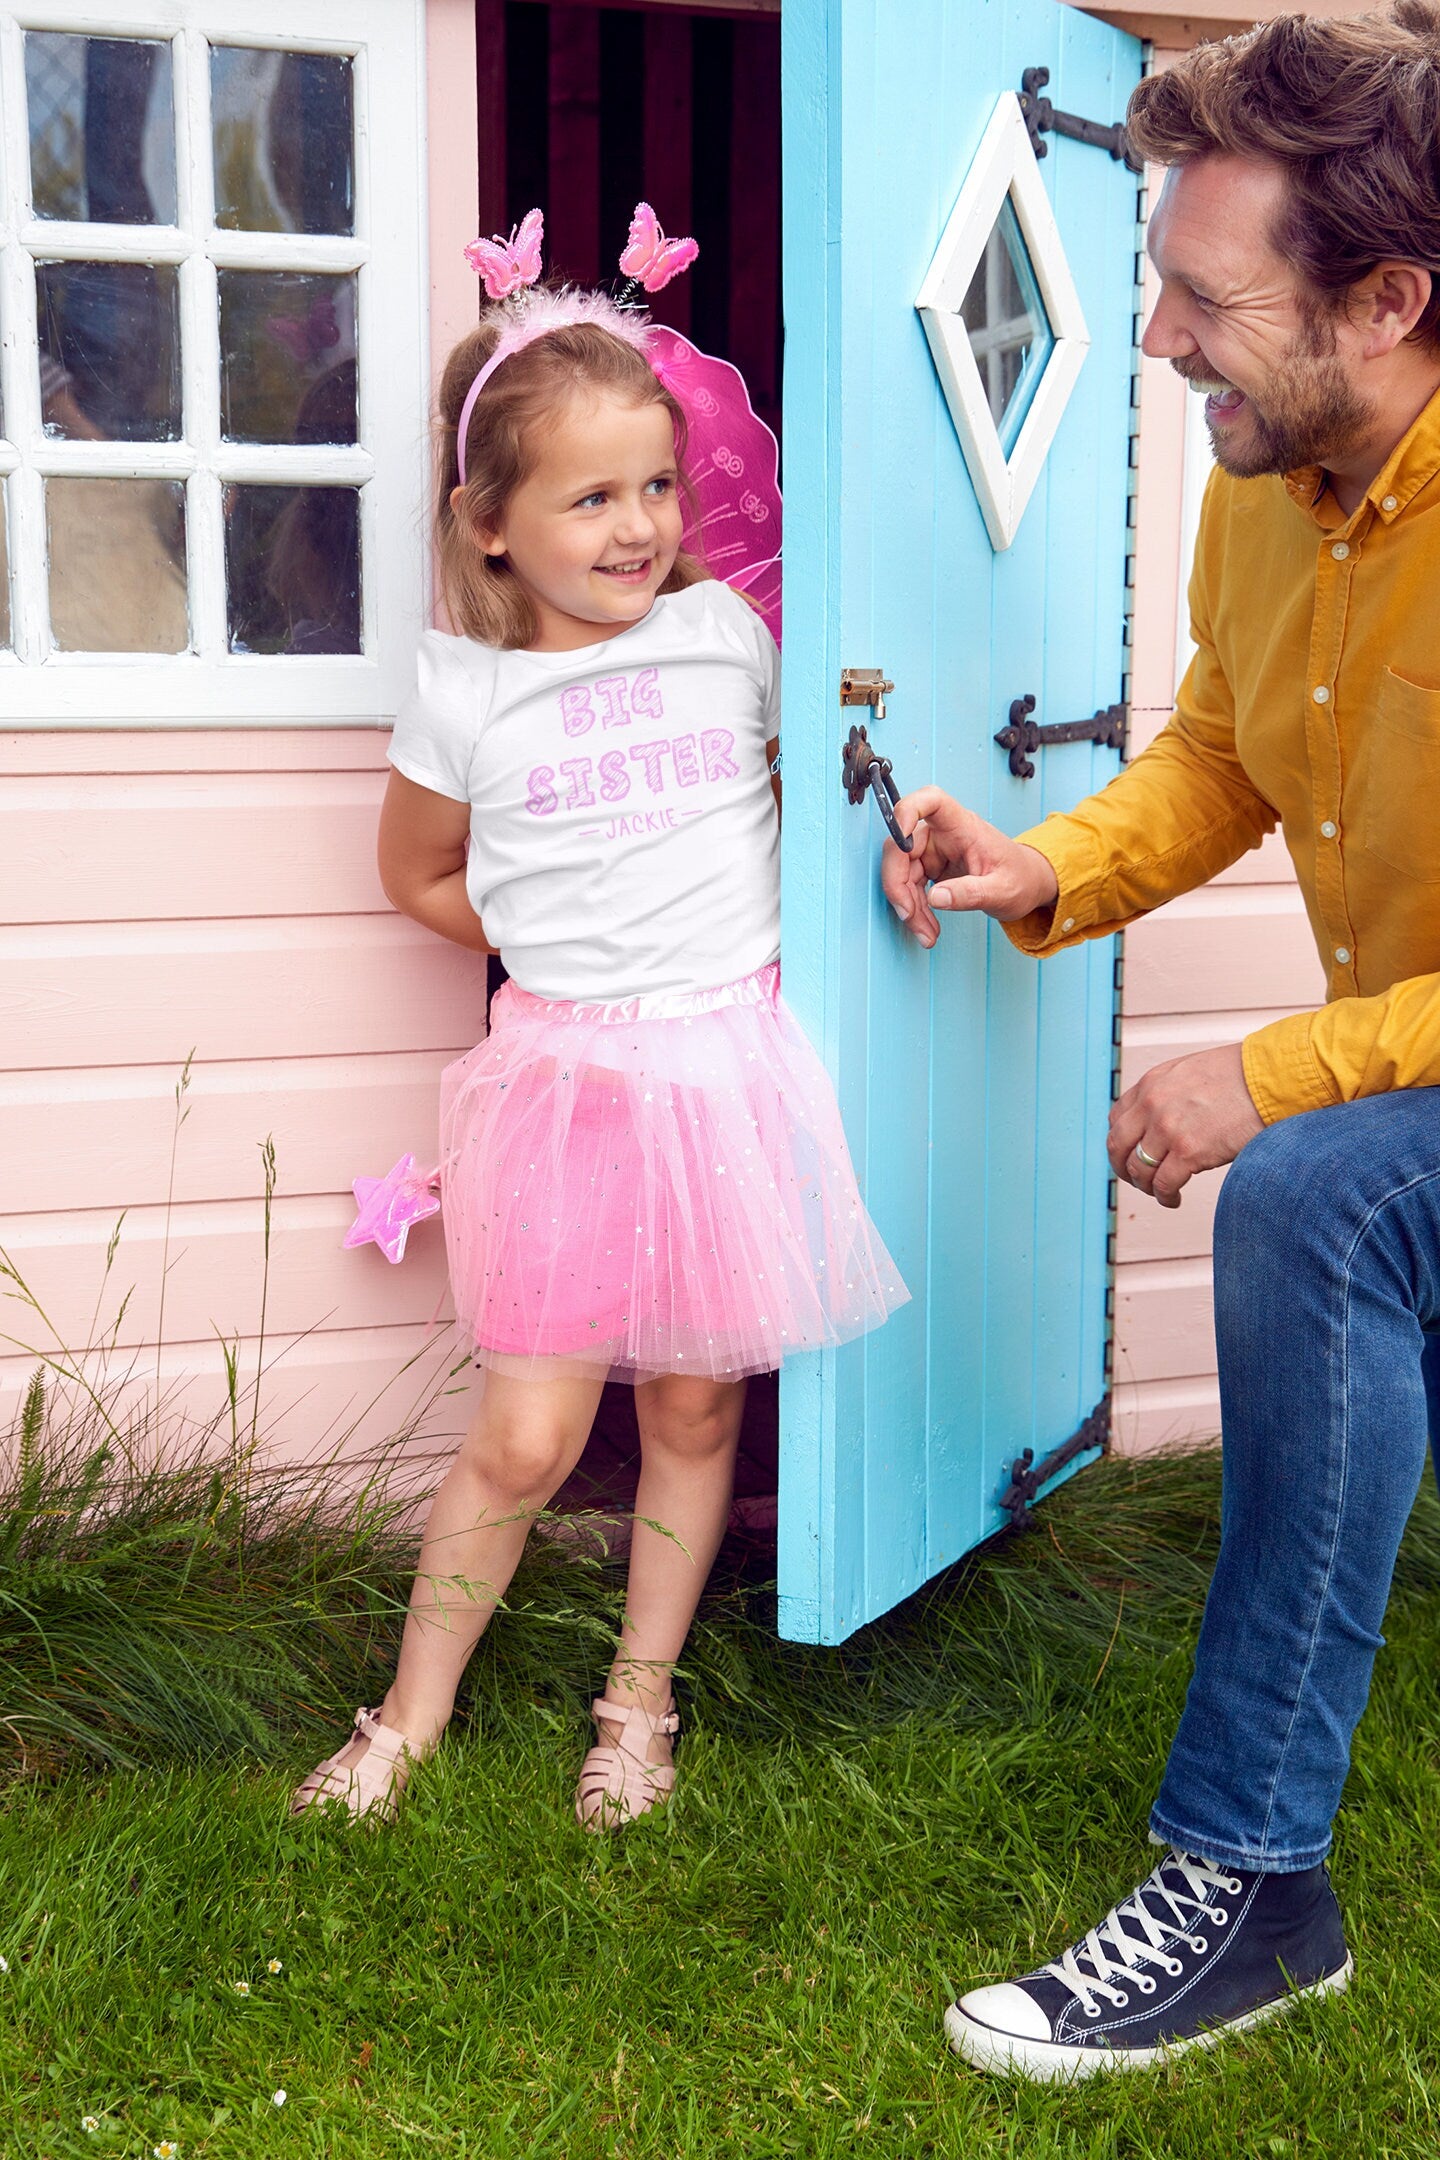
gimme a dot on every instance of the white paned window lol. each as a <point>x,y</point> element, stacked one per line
<point>212,361</point>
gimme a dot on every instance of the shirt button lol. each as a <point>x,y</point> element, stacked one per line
<point>1327,830</point>
<point>1340,550</point>
<point>1320,694</point>
<point>1068,924</point>
<point>1389,502</point>
<point>1342,954</point>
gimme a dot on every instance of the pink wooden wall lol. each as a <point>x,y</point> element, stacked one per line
<point>172,890</point>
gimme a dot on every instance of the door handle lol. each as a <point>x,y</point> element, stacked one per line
<point>862,767</point>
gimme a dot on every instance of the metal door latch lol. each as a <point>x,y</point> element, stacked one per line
<point>862,767</point>
<point>865,686</point>
<point>1022,736</point>
<point>1041,118</point>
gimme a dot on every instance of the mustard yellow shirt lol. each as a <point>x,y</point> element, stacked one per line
<point>1313,702</point>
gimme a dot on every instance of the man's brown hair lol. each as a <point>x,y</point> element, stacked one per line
<point>1350,109</point>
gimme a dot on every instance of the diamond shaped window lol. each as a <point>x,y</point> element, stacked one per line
<point>1004,321</point>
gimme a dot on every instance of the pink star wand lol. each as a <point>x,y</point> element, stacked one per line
<point>389,1205</point>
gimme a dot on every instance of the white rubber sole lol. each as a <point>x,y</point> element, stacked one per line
<point>1044,2060</point>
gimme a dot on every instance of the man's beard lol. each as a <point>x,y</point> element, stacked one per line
<point>1312,413</point>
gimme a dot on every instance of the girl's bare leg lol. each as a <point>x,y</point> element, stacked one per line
<point>688,1434</point>
<point>524,1441</point>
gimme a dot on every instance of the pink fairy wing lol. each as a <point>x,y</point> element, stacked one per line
<point>672,257</point>
<point>499,272</point>
<point>762,585</point>
<point>733,462</point>
<point>526,244</point>
<point>644,240</point>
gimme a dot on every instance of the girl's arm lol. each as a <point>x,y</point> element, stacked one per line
<point>422,861</point>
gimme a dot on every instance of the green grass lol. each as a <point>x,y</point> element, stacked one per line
<point>759,1971</point>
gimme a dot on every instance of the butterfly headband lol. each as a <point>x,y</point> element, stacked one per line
<point>509,268</point>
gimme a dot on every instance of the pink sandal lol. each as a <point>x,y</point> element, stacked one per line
<point>616,1784</point>
<point>368,1789</point>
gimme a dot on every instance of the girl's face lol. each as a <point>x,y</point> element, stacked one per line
<point>593,533</point>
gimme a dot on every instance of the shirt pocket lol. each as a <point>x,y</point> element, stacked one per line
<point>1399,774</point>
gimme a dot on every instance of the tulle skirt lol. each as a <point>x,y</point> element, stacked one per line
<point>658,1184</point>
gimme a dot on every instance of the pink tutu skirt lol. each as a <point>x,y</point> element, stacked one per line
<point>659,1184</point>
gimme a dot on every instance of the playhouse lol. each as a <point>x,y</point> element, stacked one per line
<point>230,265</point>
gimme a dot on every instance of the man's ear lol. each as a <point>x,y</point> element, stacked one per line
<point>1387,304</point>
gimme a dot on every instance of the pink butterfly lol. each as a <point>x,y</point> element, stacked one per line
<point>506,265</point>
<point>649,256</point>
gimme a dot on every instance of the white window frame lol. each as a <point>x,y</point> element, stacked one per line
<point>1003,165</point>
<point>209,686</point>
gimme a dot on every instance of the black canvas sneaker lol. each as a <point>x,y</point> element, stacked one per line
<point>1194,1953</point>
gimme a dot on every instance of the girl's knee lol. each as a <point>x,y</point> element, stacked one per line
<point>526,1459</point>
<point>694,1418</point>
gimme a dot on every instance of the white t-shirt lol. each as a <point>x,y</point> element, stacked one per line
<point>623,836</point>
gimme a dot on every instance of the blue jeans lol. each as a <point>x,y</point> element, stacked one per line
<point>1327,1320</point>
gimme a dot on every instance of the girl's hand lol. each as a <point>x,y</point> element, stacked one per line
<point>969,865</point>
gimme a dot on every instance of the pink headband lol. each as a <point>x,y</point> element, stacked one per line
<point>508,268</point>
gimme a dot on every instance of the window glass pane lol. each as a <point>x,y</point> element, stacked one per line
<point>1009,330</point>
<point>284,129</point>
<point>292,569</point>
<point>4,576</point>
<point>287,357</point>
<point>109,349</point>
<point>102,128</point>
<point>117,565</point>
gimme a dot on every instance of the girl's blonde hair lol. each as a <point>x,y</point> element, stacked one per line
<point>482,596</point>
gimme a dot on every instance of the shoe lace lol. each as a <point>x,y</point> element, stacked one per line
<point>1163,1910</point>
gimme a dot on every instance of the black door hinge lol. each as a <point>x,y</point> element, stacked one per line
<point>1022,736</point>
<point>1041,118</point>
<point>1027,1476</point>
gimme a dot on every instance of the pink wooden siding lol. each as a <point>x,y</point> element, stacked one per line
<point>172,890</point>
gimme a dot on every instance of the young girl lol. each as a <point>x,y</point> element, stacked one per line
<point>643,1170</point>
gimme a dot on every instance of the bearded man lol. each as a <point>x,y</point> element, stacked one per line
<point>1297,242</point>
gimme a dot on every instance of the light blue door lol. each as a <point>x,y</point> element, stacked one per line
<point>975,1083</point>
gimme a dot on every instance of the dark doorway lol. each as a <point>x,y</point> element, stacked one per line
<point>585,111</point>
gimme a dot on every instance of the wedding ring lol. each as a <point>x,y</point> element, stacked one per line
<point>1151,1162</point>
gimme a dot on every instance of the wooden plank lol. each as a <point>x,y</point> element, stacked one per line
<point>572,211</point>
<point>669,144</point>
<point>184,750</point>
<point>755,213</point>
<point>343,1392</point>
<point>103,1138</point>
<point>149,993</point>
<point>1223,948</point>
<point>132,847</point>
<point>1164,1315</point>
<point>493,209</point>
<point>1155,1414</point>
<point>214,1263</point>
<point>1146,1231</point>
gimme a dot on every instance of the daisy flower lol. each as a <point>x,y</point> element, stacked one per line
<point>241,1987</point>
<point>273,1965</point>
<point>278,2097</point>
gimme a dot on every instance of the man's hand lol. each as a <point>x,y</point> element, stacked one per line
<point>1190,1114</point>
<point>973,865</point>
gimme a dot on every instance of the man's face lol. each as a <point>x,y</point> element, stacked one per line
<point>1235,320</point>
